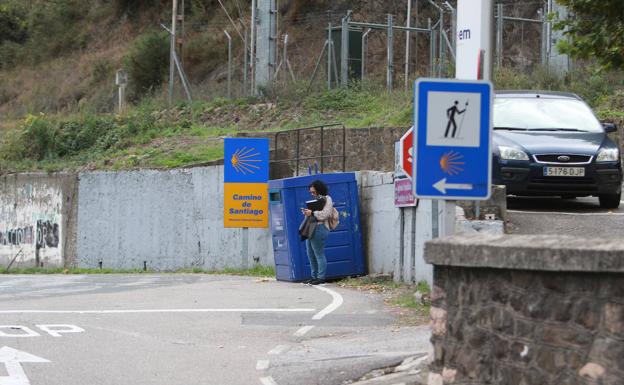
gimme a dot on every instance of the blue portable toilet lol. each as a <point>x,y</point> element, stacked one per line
<point>343,248</point>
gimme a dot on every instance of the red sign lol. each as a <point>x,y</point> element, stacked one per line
<point>407,146</point>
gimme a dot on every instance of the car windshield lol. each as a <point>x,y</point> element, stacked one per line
<point>544,114</point>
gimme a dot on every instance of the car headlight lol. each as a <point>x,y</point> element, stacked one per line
<point>510,153</point>
<point>608,155</point>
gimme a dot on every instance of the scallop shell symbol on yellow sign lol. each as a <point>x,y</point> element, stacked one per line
<point>246,176</point>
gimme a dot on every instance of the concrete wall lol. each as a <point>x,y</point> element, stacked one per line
<point>378,215</point>
<point>167,219</point>
<point>38,219</point>
<point>527,310</point>
<point>394,238</point>
<point>174,219</point>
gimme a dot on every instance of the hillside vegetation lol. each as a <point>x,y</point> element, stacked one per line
<point>57,92</point>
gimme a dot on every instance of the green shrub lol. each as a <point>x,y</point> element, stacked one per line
<point>147,63</point>
<point>53,28</point>
<point>75,136</point>
<point>12,23</point>
<point>36,139</point>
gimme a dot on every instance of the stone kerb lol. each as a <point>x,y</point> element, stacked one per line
<point>527,310</point>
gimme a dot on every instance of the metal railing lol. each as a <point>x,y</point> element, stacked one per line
<point>298,158</point>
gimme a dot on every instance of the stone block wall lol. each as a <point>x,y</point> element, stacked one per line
<point>526,310</point>
<point>369,148</point>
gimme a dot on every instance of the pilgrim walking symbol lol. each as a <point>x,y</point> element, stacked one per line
<point>450,114</point>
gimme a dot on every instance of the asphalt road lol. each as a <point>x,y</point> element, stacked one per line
<point>192,329</point>
<point>579,217</point>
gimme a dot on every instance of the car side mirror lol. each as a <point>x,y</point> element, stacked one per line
<point>609,127</point>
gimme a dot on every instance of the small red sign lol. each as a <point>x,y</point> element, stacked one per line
<point>407,145</point>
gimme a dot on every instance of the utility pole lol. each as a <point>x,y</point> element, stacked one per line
<point>390,54</point>
<point>229,73</point>
<point>488,33</point>
<point>407,42</point>
<point>344,50</point>
<point>253,47</point>
<point>499,36</point>
<point>245,62</point>
<point>172,48</point>
<point>265,42</point>
<point>330,50</point>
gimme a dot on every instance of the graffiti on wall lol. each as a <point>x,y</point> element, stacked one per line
<point>47,235</point>
<point>31,222</point>
<point>16,237</point>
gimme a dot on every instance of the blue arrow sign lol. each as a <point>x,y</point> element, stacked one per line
<point>452,146</point>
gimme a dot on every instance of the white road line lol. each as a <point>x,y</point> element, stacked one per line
<point>303,330</point>
<point>279,349</point>
<point>564,213</point>
<point>262,365</point>
<point>267,381</point>
<point>131,311</point>
<point>335,304</point>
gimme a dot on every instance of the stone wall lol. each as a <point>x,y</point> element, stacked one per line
<point>366,149</point>
<point>527,310</point>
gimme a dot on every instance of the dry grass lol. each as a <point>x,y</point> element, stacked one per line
<point>399,297</point>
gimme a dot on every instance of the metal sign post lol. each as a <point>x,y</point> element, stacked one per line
<point>121,80</point>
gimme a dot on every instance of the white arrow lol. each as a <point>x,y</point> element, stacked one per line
<point>12,359</point>
<point>442,186</point>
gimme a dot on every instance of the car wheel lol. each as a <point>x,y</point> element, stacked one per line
<point>609,201</point>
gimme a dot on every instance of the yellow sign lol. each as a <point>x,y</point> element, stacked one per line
<point>246,205</point>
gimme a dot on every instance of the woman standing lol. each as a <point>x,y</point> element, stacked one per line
<point>316,244</point>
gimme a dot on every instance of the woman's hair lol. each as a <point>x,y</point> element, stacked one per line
<point>319,186</point>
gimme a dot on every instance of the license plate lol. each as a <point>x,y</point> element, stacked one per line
<point>564,171</point>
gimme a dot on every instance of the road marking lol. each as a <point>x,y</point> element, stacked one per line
<point>279,349</point>
<point>12,360</point>
<point>267,381</point>
<point>130,311</point>
<point>335,304</point>
<point>57,329</point>
<point>303,330</point>
<point>442,186</point>
<point>28,332</point>
<point>262,365</point>
<point>564,213</point>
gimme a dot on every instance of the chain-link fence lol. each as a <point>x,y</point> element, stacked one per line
<point>382,49</point>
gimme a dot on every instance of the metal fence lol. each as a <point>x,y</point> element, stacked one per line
<point>394,49</point>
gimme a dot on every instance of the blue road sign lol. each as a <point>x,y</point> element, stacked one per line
<point>452,146</point>
<point>246,160</point>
